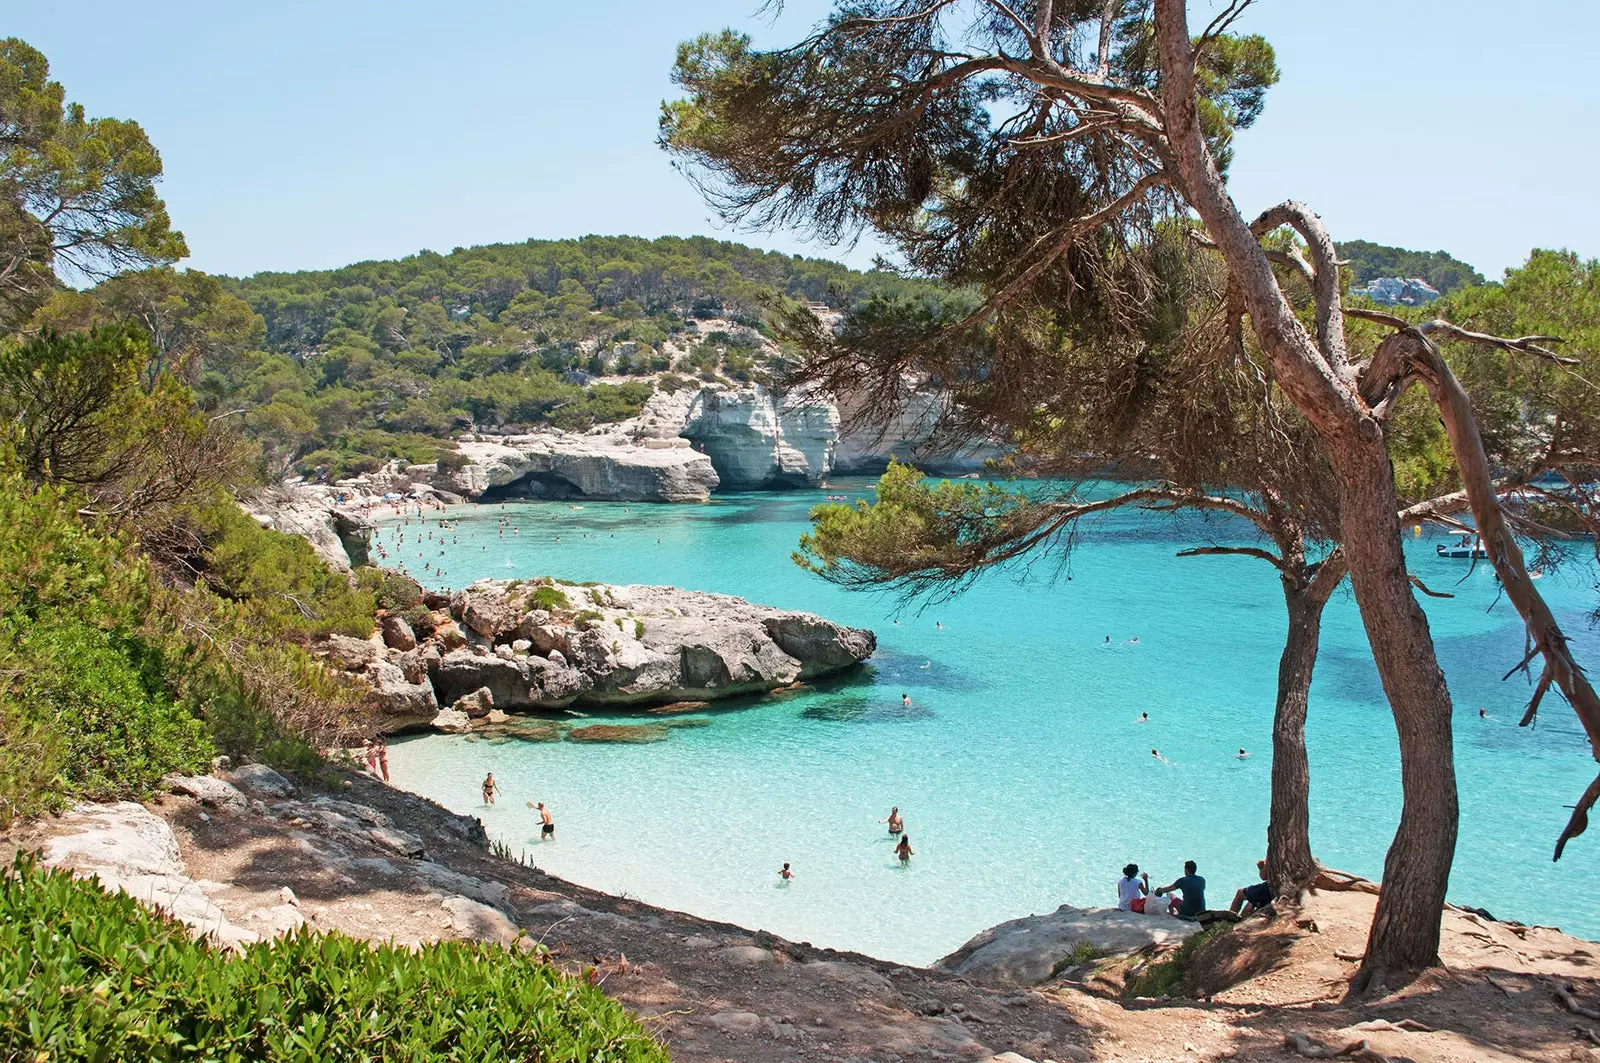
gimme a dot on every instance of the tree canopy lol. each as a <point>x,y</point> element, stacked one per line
<point>77,194</point>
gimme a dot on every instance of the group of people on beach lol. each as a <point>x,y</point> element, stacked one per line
<point>1134,894</point>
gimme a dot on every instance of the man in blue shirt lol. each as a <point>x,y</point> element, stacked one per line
<point>1193,888</point>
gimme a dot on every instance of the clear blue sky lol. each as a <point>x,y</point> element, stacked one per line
<point>303,135</point>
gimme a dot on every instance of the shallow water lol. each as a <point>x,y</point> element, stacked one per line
<point>1023,778</point>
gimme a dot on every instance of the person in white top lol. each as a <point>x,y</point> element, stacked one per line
<point>1131,887</point>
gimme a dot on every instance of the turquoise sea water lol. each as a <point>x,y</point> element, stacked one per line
<point>1022,775</point>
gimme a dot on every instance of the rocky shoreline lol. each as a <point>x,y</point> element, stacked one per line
<point>247,855</point>
<point>470,659</point>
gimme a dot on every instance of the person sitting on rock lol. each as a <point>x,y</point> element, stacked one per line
<point>1131,888</point>
<point>1193,888</point>
<point>1254,897</point>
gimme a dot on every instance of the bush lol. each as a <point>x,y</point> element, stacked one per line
<point>116,726</point>
<point>550,599</point>
<point>1166,977</point>
<point>90,702</point>
<point>93,976</point>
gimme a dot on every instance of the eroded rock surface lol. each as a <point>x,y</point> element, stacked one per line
<point>1026,951</point>
<point>542,645</point>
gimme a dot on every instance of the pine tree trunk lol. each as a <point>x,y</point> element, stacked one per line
<point>1405,929</point>
<point>1289,861</point>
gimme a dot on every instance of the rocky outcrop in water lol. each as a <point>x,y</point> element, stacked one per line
<point>601,465</point>
<point>500,646</point>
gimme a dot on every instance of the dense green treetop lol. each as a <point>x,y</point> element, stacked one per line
<point>77,194</point>
<point>1369,261</point>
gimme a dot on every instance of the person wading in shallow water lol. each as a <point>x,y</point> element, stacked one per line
<point>490,788</point>
<point>547,828</point>
<point>896,824</point>
<point>904,850</point>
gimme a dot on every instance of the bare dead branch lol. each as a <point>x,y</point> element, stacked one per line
<point>1580,817</point>
<point>1416,581</point>
<point>1244,551</point>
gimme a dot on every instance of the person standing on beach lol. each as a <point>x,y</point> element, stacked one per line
<point>904,850</point>
<point>380,750</point>
<point>896,824</point>
<point>490,788</point>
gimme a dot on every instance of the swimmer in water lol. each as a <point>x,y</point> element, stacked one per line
<point>905,701</point>
<point>1144,717</point>
<point>784,872</point>
<point>1483,714</point>
<point>938,625</point>
<point>904,850</point>
<point>1157,754</point>
<point>1241,755</point>
<point>1108,640</point>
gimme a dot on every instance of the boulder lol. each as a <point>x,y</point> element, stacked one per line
<point>404,701</point>
<point>820,646</point>
<point>351,654</point>
<point>478,921</point>
<point>452,721</point>
<point>397,634</point>
<point>1024,952</point>
<point>490,615</point>
<point>462,672</point>
<point>476,704</point>
<point>208,790</point>
<point>123,839</point>
<point>258,780</point>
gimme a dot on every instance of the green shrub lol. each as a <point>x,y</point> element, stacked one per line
<point>91,976</point>
<point>1166,977</point>
<point>279,581</point>
<point>107,696</point>
<point>585,616</point>
<point>638,629</point>
<point>551,599</point>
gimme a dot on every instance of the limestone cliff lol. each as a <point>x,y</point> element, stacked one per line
<point>757,438</point>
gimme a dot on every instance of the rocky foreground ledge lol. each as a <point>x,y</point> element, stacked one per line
<point>498,647</point>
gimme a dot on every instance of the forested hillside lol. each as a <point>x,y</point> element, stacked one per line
<point>1369,261</point>
<point>353,366</point>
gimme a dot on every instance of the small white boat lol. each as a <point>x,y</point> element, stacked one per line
<point>1468,547</point>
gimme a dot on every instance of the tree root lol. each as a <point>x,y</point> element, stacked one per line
<point>1398,1026</point>
<point>1564,994</point>
<point>1339,882</point>
<point>1359,1051</point>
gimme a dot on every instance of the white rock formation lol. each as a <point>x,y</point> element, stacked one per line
<point>607,465</point>
<point>314,513</point>
<point>756,438</point>
<point>867,451</point>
